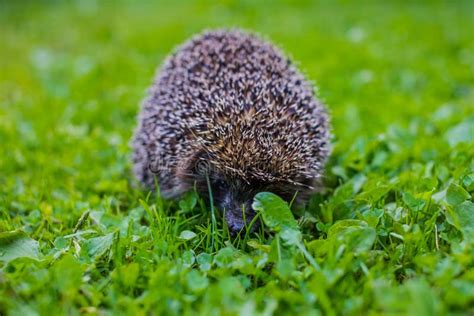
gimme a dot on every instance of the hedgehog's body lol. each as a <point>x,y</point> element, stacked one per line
<point>231,109</point>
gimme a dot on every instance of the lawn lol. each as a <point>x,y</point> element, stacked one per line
<point>392,232</point>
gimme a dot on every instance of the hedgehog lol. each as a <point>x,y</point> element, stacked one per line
<point>229,115</point>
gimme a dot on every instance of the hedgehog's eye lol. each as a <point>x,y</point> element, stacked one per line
<point>219,184</point>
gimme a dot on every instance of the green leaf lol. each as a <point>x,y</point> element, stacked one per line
<point>128,274</point>
<point>277,215</point>
<point>188,202</point>
<point>355,234</point>
<point>205,261</point>
<point>61,243</point>
<point>16,244</point>
<point>187,235</point>
<point>412,202</point>
<point>422,300</point>
<point>188,258</point>
<point>224,257</point>
<point>462,217</point>
<point>318,247</point>
<point>68,273</point>
<point>358,182</point>
<point>275,212</point>
<point>285,268</point>
<point>468,182</point>
<point>455,194</point>
<point>343,225</point>
<point>244,264</point>
<point>465,213</point>
<point>374,194</point>
<point>291,237</point>
<point>461,133</point>
<point>98,246</point>
<point>196,281</point>
<point>256,245</point>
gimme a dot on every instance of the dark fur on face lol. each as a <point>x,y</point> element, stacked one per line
<point>234,196</point>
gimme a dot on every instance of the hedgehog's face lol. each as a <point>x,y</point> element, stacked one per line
<point>234,197</point>
<point>231,195</point>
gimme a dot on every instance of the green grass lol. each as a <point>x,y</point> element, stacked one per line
<point>392,232</point>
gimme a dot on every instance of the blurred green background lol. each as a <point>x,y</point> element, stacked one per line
<point>397,77</point>
<point>74,72</point>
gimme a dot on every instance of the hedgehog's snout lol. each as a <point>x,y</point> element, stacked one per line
<point>239,219</point>
<point>237,213</point>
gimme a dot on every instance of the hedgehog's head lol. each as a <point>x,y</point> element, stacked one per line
<point>234,197</point>
<point>236,155</point>
<point>231,195</point>
<point>233,192</point>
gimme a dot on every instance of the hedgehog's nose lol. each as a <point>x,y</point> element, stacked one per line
<point>236,221</point>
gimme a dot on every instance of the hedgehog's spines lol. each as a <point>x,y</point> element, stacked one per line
<point>235,101</point>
